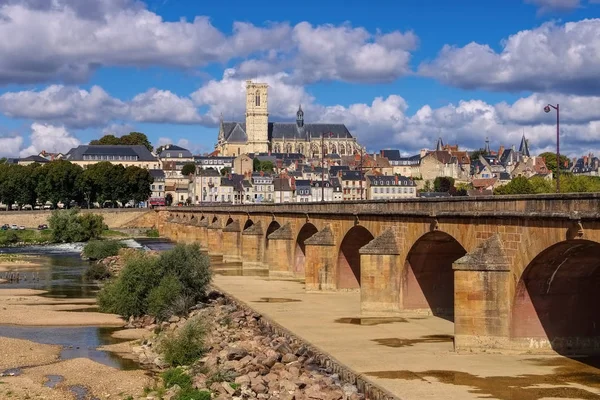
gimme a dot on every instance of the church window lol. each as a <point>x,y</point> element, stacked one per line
<point>257,99</point>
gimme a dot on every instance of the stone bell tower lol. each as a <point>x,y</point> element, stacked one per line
<point>257,117</point>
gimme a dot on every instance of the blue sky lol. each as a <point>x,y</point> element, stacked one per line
<point>398,74</point>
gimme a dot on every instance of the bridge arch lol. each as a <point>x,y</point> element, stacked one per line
<point>556,299</point>
<point>428,277</point>
<point>273,226</point>
<point>248,223</point>
<point>229,221</point>
<point>348,262</point>
<point>305,232</point>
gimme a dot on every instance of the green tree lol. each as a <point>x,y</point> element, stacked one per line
<point>28,177</point>
<point>427,187</point>
<point>256,165</point>
<point>443,184</point>
<point>69,226</point>
<point>131,139</point>
<point>57,182</point>
<point>542,185</point>
<point>550,160</point>
<point>474,155</point>
<point>188,169</point>
<point>169,199</point>
<point>138,181</point>
<point>519,185</point>
<point>267,166</point>
<point>225,171</point>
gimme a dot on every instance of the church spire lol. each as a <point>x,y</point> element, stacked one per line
<point>300,117</point>
<point>440,145</point>
<point>524,147</point>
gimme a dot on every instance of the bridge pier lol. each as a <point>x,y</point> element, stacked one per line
<point>380,275</point>
<point>321,261</point>
<point>232,243</point>
<point>203,234</point>
<point>253,251</point>
<point>215,239</point>
<point>482,298</point>
<point>280,253</point>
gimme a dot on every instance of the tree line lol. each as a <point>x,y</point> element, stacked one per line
<point>569,183</point>
<point>61,181</point>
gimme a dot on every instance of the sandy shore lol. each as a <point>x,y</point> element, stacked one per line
<point>26,307</point>
<point>20,263</point>
<point>16,353</point>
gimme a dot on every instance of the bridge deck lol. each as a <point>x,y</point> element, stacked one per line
<point>414,358</point>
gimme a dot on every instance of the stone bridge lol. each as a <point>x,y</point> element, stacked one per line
<point>513,272</point>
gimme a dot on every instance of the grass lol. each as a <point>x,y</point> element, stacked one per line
<point>29,236</point>
<point>185,346</point>
<point>108,233</point>
<point>176,376</point>
<point>152,233</point>
<point>99,249</point>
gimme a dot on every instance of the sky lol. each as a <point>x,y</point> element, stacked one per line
<point>399,74</point>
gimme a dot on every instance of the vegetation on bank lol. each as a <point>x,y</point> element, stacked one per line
<point>569,183</point>
<point>152,233</point>
<point>28,236</point>
<point>184,346</point>
<point>161,286</point>
<point>99,249</point>
<point>70,226</point>
<point>177,376</point>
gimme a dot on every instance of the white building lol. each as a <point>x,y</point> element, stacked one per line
<point>384,187</point>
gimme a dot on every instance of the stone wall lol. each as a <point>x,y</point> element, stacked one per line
<point>114,218</point>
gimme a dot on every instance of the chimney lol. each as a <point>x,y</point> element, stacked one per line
<point>501,151</point>
<point>262,173</point>
<point>396,179</point>
<point>374,156</point>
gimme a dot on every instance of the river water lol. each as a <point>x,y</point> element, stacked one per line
<point>61,275</point>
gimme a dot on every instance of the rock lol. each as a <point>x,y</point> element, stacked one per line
<point>236,353</point>
<point>270,361</point>
<point>174,319</point>
<point>199,381</point>
<point>287,386</point>
<point>160,363</point>
<point>314,392</point>
<point>172,393</point>
<point>288,358</point>
<point>243,380</point>
<point>259,388</point>
<point>227,387</point>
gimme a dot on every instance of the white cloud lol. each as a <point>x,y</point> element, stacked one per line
<point>126,33</point>
<point>551,58</point>
<point>71,106</point>
<point>9,146</point>
<point>163,106</point>
<point>118,130</point>
<point>50,138</point>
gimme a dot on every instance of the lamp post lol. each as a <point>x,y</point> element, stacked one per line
<point>547,110</point>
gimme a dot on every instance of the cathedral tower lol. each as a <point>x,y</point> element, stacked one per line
<point>257,117</point>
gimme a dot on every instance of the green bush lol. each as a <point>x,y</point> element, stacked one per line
<point>163,296</point>
<point>70,226</point>
<point>176,376</point>
<point>12,237</point>
<point>194,394</point>
<point>184,346</point>
<point>99,249</point>
<point>97,272</point>
<point>140,288</point>
<point>152,233</point>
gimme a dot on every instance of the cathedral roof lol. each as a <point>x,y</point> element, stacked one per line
<point>235,132</point>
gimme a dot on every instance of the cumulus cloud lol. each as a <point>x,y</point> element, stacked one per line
<point>126,33</point>
<point>50,138</point>
<point>550,58</point>
<point>71,106</point>
<point>10,146</point>
<point>163,106</point>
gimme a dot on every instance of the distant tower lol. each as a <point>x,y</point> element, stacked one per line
<point>300,117</point>
<point>257,117</point>
<point>524,147</point>
<point>487,146</point>
<point>440,145</point>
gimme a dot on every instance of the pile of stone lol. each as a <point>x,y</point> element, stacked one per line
<point>116,263</point>
<point>244,361</point>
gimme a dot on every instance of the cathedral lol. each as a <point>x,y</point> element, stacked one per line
<point>258,135</point>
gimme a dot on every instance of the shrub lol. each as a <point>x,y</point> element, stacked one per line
<point>194,394</point>
<point>163,296</point>
<point>97,272</point>
<point>152,233</point>
<point>70,226</point>
<point>12,237</point>
<point>147,284</point>
<point>184,346</point>
<point>176,376</point>
<point>99,249</point>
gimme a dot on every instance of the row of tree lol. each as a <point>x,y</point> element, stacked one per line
<point>63,182</point>
<point>131,139</point>
<point>569,183</point>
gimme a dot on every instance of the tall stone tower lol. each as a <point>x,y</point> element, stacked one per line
<point>257,117</point>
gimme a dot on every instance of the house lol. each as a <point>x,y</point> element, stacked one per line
<point>283,190</point>
<point>405,166</point>
<point>529,167</point>
<point>442,163</point>
<point>218,163</point>
<point>263,190</point>
<point>157,187</point>
<point>321,191</point>
<point>206,186</point>
<point>136,155</point>
<point>32,160</point>
<point>353,185</point>
<point>587,165</point>
<point>303,191</point>
<point>337,189</point>
<point>485,184</point>
<point>172,152</point>
<point>388,187</point>
<point>243,164</point>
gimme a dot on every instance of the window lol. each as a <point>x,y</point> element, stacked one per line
<point>257,99</point>
<point>168,154</point>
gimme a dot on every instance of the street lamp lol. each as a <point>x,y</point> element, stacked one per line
<point>547,110</point>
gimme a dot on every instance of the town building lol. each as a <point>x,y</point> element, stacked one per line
<point>386,187</point>
<point>353,185</point>
<point>171,152</point>
<point>258,135</point>
<point>405,166</point>
<point>136,155</point>
<point>303,191</point>
<point>283,190</point>
<point>321,190</point>
<point>262,185</point>
<point>214,162</point>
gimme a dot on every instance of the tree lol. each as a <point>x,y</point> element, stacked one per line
<point>225,171</point>
<point>188,169</point>
<point>427,187</point>
<point>131,139</point>
<point>169,199</point>
<point>265,166</point>
<point>138,181</point>
<point>475,154</point>
<point>57,182</point>
<point>443,184</point>
<point>550,160</point>
<point>519,185</point>
<point>256,165</point>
